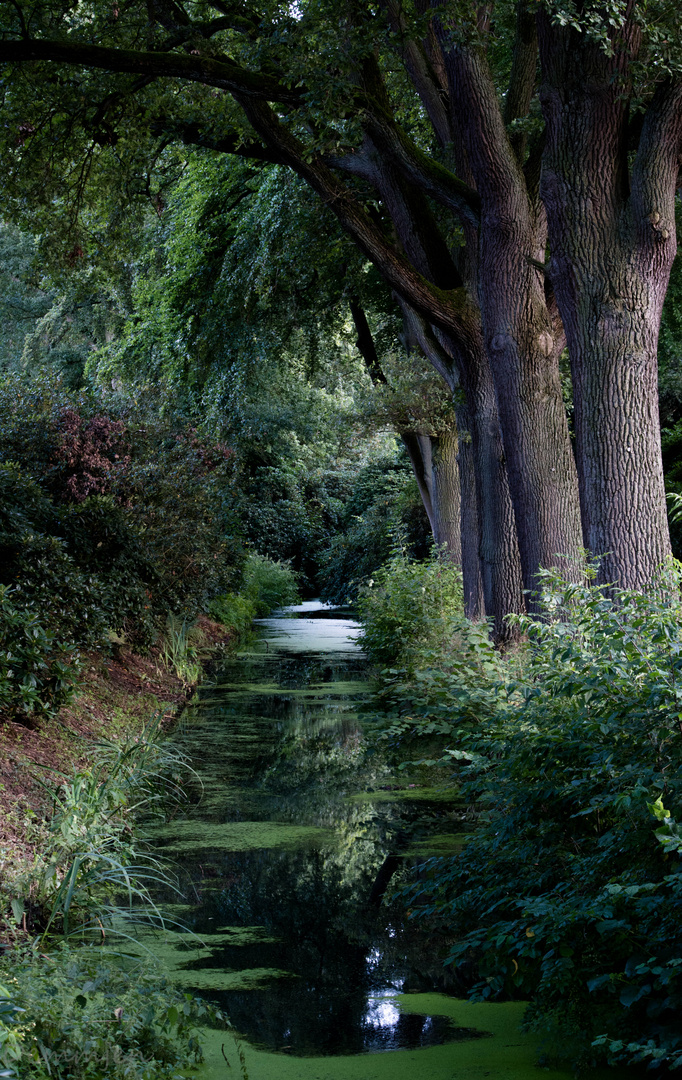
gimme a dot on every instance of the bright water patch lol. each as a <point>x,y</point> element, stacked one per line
<point>316,630</point>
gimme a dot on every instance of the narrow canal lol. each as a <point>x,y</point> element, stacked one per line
<point>284,861</point>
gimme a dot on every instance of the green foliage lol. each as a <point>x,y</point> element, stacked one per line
<point>38,674</point>
<point>383,502</point>
<point>410,609</point>
<point>49,324</point>
<point>570,890</point>
<point>79,1013</point>
<point>234,611</point>
<point>110,518</point>
<point>178,652</point>
<point>291,510</point>
<point>267,585</point>
<point>90,1011</point>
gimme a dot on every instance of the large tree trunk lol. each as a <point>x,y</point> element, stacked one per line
<point>500,565</point>
<point>435,462</point>
<point>517,329</point>
<point>447,496</point>
<point>612,245</point>
<point>495,586</point>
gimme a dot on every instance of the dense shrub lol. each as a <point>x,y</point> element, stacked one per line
<point>266,586</point>
<point>335,526</point>
<point>235,612</point>
<point>269,584</point>
<point>79,568</point>
<point>77,1013</point>
<point>569,892</point>
<point>409,609</point>
<point>110,517</point>
<point>37,673</point>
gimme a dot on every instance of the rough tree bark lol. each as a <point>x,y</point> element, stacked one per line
<point>459,356</point>
<point>435,461</point>
<point>612,242</point>
<point>491,568</point>
<point>517,326</point>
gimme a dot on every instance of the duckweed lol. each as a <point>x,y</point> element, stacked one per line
<point>192,836</point>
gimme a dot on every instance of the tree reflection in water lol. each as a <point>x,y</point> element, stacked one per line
<point>279,741</point>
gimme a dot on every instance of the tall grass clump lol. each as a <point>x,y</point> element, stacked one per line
<point>94,875</point>
<point>569,753</point>
<point>76,999</point>
<point>178,650</point>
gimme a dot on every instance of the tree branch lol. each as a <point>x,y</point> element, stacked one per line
<point>523,74</point>
<point>222,73</point>
<point>191,134</point>
<point>431,90</point>
<point>449,308</point>
<point>420,333</point>
<point>495,169</point>
<point>657,166</point>
<point>417,167</point>
<point>365,343</point>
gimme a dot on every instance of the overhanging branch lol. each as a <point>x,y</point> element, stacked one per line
<point>221,73</point>
<point>449,308</point>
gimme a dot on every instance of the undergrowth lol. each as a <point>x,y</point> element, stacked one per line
<point>567,753</point>
<point>81,1013</point>
<point>266,586</point>
<point>75,1001</point>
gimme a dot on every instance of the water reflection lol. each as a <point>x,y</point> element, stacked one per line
<point>276,739</point>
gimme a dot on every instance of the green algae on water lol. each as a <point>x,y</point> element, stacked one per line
<point>442,844</point>
<point>187,837</point>
<point>508,1054</point>
<point>218,979</point>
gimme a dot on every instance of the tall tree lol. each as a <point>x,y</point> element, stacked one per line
<point>393,117</point>
<point>610,172</point>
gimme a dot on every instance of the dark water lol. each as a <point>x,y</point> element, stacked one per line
<point>284,859</point>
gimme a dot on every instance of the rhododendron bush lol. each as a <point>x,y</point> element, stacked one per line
<point>110,518</point>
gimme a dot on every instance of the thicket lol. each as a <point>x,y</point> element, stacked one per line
<point>266,585</point>
<point>111,518</point>
<point>567,753</point>
<point>77,1013</point>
